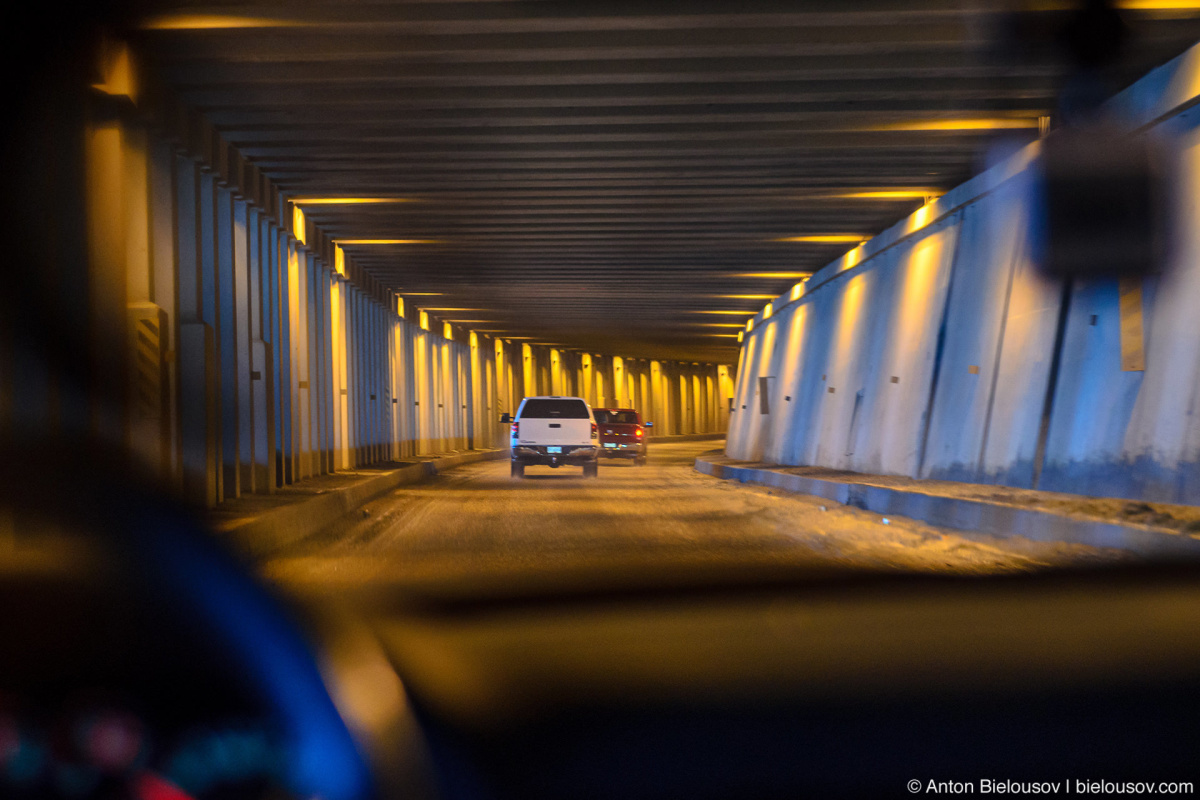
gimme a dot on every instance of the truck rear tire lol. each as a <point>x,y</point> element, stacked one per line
<point>518,470</point>
<point>591,469</point>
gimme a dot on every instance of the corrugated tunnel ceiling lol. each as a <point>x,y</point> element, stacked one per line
<point>605,176</point>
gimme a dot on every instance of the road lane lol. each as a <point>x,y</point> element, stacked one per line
<point>476,527</point>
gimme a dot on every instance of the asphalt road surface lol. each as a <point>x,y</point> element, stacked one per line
<point>477,529</point>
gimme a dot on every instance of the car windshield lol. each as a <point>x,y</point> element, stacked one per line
<point>895,292</point>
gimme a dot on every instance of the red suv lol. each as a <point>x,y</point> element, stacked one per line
<point>622,434</point>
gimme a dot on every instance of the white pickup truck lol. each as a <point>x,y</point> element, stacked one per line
<point>553,431</point>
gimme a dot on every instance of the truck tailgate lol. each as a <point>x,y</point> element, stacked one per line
<point>554,431</point>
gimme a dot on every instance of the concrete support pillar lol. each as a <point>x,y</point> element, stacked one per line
<point>196,349</point>
<point>226,326</point>
<point>240,289</point>
<point>262,365</point>
<point>341,410</point>
<point>422,401</point>
<point>529,371</point>
<point>108,251</point>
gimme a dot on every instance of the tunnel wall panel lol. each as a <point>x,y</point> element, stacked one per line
<point>930,351</point>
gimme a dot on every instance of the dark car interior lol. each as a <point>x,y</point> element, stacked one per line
<point>137,650</point>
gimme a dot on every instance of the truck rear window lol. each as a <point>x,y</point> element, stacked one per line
<point>554,409</point>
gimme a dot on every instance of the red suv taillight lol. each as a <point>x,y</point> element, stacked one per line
<point>595,431</point>
<point>639,432</point>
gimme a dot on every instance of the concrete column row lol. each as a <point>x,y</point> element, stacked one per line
<point>233,358</point>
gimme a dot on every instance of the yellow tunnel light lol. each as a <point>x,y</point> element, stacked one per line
<point>424,321</point>
<point>893,194</point>
<point>1159,5</point>
<point>716,324</point>
<point>746,296</point>
<point>961,124</point>
<point>783,276</point>
<point>197,22</point>
<point>447,331</point>
<point>423,294</point>
<point>741,335</point>
<point>386,241</point>
<point>741,313</point>
<point>347,201</point>
<point>447,308</point>
<point>400,306</point>
<point>827,238</point>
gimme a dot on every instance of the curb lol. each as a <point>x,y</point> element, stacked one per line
<point>258,534</point>
<point>995,519</point>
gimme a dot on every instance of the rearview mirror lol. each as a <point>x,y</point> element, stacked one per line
<point>506,417</point>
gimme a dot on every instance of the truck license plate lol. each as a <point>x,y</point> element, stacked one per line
<point>553,449</point>
<point>610,444</point>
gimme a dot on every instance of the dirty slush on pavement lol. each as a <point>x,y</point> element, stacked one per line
<point>477,523</point>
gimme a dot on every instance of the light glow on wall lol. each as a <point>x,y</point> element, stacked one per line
<point>118,72</point>
<point>920,218</point>
<point>400,306</point>
<point>851,258</point>
<point>797,291</point>
<point>298,224</point>
<point>424,321</point>
<point>447,332</point>
<point>339,261</point>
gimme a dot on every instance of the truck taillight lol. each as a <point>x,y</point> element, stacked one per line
<point>595,431</point>
<point>514,429</point>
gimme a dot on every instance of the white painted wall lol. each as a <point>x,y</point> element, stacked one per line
<point>940,332</point>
